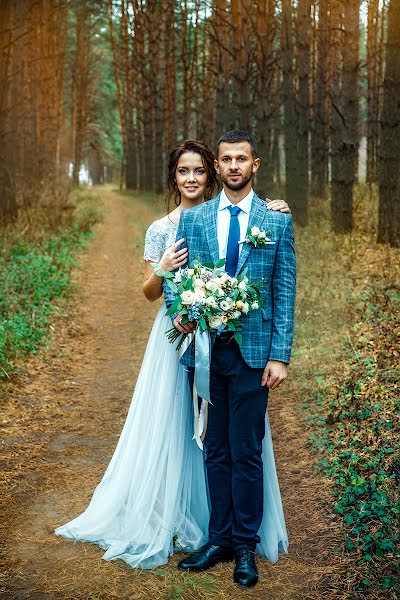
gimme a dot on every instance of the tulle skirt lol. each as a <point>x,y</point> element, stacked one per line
<point>153,498</point>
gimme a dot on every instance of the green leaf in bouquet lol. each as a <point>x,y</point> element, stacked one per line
<point>220,263</point>
<point>238,338</point>
<point>244,273</point>
<point>260,302</point>
<point>172,285</point>
<point>231,325</point>
<point>175,306</point>
<point>202,324</point>
<point>251,290</point>
<point>252,239</point>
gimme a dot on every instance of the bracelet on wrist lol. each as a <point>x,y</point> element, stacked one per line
<point>156,281</point>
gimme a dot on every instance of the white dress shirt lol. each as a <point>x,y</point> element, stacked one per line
<point>224,219</point>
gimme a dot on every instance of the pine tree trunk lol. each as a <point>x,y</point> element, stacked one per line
<point>303,58</point>
<point>389,159</point>
<point>220,45</point>
<point>81,84</point>
<point>320,133</point>
<point>128,100</point>
<point>373,90</point>
<point>8,204</point>
<point>117,76</point>
<point>264,108</point>
<point>158,94</point>
<point>345,98</point>
<point>289,108</point>
<point>170,81</point>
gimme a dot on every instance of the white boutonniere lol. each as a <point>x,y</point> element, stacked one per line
<point>257,238</point>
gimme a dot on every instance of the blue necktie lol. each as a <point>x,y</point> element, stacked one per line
<point>232,251</point>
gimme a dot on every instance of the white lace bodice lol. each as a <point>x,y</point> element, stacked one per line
<point>159,236</point>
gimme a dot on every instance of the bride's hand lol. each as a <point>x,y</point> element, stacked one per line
<point>188,327</point>
<point>173,258</point>
<point>280,205</point>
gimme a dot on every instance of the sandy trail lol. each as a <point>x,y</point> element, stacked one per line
<point>62,422</point>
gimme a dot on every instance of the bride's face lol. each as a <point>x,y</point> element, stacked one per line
<point>191,177</point>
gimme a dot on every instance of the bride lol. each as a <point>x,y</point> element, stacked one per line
<point>153,498</point>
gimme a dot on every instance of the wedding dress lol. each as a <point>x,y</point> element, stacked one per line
<point>153,497</point>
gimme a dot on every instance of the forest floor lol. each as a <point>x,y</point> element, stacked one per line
<point>62,417</point>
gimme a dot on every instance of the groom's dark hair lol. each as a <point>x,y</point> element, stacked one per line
<point>238,135</point>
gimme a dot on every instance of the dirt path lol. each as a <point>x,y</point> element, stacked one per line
<point>61,424</point>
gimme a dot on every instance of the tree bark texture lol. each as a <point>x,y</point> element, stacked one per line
<point>389,162</point>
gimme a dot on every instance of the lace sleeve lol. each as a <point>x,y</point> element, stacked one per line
<point>154,242</point>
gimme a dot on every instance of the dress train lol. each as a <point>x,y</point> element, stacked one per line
<point>153,497</point>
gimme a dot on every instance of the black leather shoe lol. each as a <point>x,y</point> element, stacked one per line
<point>245,573</point>
<point>208,556</point>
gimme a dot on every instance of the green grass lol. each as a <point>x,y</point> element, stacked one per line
<point>346,368</point>
<point>359,438</point>
<point>35,279</point>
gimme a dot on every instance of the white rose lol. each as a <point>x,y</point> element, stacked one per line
<point>224,319</point>
<point>199,295</point>
<point>262,235</point>
<point>233,282</point>
<point>200,292</point>
<point>254,306</point>
<point>219,281</point>
<point>236,314</point>
<point>224,278</point>
<point>245,308</point>
<point>210,301</point>
<point>255,231</point>
<point>199,283</point>
<point>188,298</point>
<point>190,272</point>
<point>215,322</point>
<point>225,305</point>
<point>220,292</point>
<point>211,286</point>
<point>242,286</point>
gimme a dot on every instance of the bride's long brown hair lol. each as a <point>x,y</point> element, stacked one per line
<point>207,158</point>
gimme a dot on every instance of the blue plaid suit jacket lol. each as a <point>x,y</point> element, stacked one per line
<point>268,332</point>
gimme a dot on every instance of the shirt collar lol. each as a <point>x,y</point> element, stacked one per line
<point>244,205</point>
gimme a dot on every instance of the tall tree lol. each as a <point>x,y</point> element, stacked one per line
<point>320,120</point>
<point>345,109</point>
<point>266,66</point>
<point>389,162</point>
<point>82,89</point>
<point>289,106</point>
<point>373,89</point>
<point>220,44</point>
<point>303,107</point>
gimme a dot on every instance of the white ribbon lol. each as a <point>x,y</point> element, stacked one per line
<point>201,383</point>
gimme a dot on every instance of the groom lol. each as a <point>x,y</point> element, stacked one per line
<point>241,376</point>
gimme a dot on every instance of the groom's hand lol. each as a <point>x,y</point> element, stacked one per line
<point>188,327</point>
<point>274,373</point>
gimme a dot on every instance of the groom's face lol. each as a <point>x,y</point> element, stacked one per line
<point>236,164</point>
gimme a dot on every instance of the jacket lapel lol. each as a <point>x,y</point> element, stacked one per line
<point>211,229</point>
<point>257,215</point>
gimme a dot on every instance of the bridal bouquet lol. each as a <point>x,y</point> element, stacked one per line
<point>211,297</point>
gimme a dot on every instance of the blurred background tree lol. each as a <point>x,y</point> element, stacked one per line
<point>108,86</point>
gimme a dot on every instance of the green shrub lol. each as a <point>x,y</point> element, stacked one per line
<point>359,438</point>
<point>35,277</point>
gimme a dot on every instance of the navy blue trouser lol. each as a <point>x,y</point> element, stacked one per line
<point>233,447</point>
